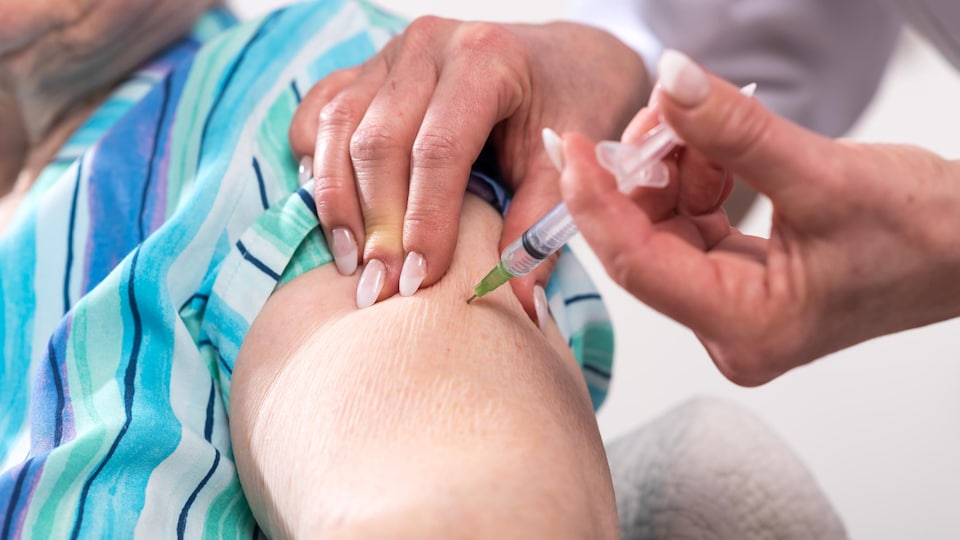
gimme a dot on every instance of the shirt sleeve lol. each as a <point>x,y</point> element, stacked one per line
<point>817,62</point>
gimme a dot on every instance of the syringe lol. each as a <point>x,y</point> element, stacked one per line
<point>631,164</point>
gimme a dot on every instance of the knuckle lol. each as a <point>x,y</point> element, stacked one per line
<point>329,192</point>
<point>500,62</point>
<point>745,126</point>
<point>342,112</point>
<point>483,38</point>
<point>436,148</point>
<point>328,187</point>
<point>423,30</point>
<point>621,268</point>
<point>372,143</point>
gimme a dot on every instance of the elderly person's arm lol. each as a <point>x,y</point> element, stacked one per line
<point>421,417</point>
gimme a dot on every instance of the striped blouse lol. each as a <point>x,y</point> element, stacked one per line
<point>132,271</point>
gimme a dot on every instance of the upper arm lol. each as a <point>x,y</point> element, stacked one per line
<point>341,414</point>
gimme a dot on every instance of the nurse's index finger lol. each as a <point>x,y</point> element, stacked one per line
<point>659,268</point>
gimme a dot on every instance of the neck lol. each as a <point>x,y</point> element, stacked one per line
<point>25,149</point>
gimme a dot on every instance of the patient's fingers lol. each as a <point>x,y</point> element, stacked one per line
<point>381,148</point>
<point>303,126</point>
<point>335,187</point>
<point>473,94</point>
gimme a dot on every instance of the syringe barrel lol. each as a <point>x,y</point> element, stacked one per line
<point>539,241</point>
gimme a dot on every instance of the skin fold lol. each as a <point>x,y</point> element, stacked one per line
<point>420,417</point>
<point>862,241</point>
<point>58,60</point>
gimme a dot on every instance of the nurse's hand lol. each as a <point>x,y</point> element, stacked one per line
<point>863,242</point>
<point>393,140</point>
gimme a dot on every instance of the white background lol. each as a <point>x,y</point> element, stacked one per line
<point>879,424</point>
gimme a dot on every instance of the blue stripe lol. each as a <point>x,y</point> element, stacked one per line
<point>220,358</point>
<point>296,91</point>
<point>256,262</point>
<point>208,426</point>
<point>14,497</point>
<point>308,200</point>
<point>581,298</point>
<point>164,99</point>
<point>596,371</point>
<point>182,521</point>
<point>73,221</point>
<point>197,296</point>
<point>230,74</point>
<point>61,400</point>
<point>263,188</point>
<point>128,380</point>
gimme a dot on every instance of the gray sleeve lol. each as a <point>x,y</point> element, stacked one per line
<point>817,62</point>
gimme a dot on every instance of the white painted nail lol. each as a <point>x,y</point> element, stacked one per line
<point>682,78</point>
<point>305,173</point>
<point>554,146</point>
<point>749,90</point>
<point>371,283</point>
<point>344,250</point>
<point>540,306</point>
<point>412,274</point>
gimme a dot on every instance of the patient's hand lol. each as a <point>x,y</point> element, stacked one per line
<point>422,416</point>
<point>393,140</point>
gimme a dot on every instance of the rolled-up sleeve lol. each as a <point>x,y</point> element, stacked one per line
<point>817,62</point>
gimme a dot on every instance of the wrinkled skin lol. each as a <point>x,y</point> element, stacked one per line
<point>58,60</point>
<point>393,139</point>
<point>863,241</point>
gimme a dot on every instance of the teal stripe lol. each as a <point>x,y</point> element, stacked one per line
<point>17,256</point>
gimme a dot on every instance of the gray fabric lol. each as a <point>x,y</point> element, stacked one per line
<point>817,62</point>
<point>709,469</point>
<point>937,20</point>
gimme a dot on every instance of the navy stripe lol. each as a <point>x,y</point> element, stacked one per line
<point>263,188</point>
<point>165,96</point>
<point>73,222</point>
<point>230,74</point>
<point>595,370</point>
<point>296,91</point>
<point>182,521</point>
<point>14,497</point>
<point>308,200</point>
<point>581,298</point>
<point>61,401</point>
<point>190,300</point>
<point>128,379</point>
<point>223,362</point>
<point>208,426</point>
<point>256,262</point>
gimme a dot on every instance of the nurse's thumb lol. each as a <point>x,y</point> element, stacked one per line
<point>734,130</point>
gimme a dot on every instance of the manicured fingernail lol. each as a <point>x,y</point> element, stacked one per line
<point>540,306</point>
<point>306,170</point>
<point>749,89</point>
<point>682,78</point>
<point>344,250</point>
<point>371,283</point>
<point>412,274</point>
<point>554,146</point>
